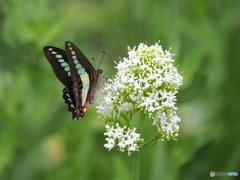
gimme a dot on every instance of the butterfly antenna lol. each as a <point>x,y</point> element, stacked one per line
<point>101,59</point>
<point>94,62</point>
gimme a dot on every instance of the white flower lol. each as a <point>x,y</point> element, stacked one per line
<point>123,139</point>
<point>146,81</point>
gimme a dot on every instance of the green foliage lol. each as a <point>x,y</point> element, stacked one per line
<point>39,141</point>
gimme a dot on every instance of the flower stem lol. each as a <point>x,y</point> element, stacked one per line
<point>136,155</point>
<point>136,166</point>
<point>148,142</point>
<point>140,123</point>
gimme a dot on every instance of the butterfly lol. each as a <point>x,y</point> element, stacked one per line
<point>77,74</point>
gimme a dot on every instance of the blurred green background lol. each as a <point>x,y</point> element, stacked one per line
<point>38,139</point>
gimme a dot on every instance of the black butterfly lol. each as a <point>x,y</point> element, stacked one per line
<point>74,70</point>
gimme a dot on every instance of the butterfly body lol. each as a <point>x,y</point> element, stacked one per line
<point>74,70</point>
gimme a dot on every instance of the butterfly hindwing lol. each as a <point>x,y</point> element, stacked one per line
<point>68,96</point>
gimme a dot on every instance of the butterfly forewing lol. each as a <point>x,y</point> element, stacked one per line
<point>58,60</point>
<point>80,76</point>
<point>72,50</point>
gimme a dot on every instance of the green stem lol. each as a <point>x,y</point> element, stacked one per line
<point>140,123</point>
<point>136,155</point>
<point>136,166</point>
<point>148,142</point>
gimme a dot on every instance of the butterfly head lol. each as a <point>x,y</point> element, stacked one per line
<point>100,72</point>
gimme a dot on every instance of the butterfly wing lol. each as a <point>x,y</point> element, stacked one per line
<point>68,96</point>
<point>71,50</point>
<point>81,73</point>
<point>59,62</point>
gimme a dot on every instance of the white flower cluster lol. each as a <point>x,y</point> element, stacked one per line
<point>146,81</point>
<point>122,138</point>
